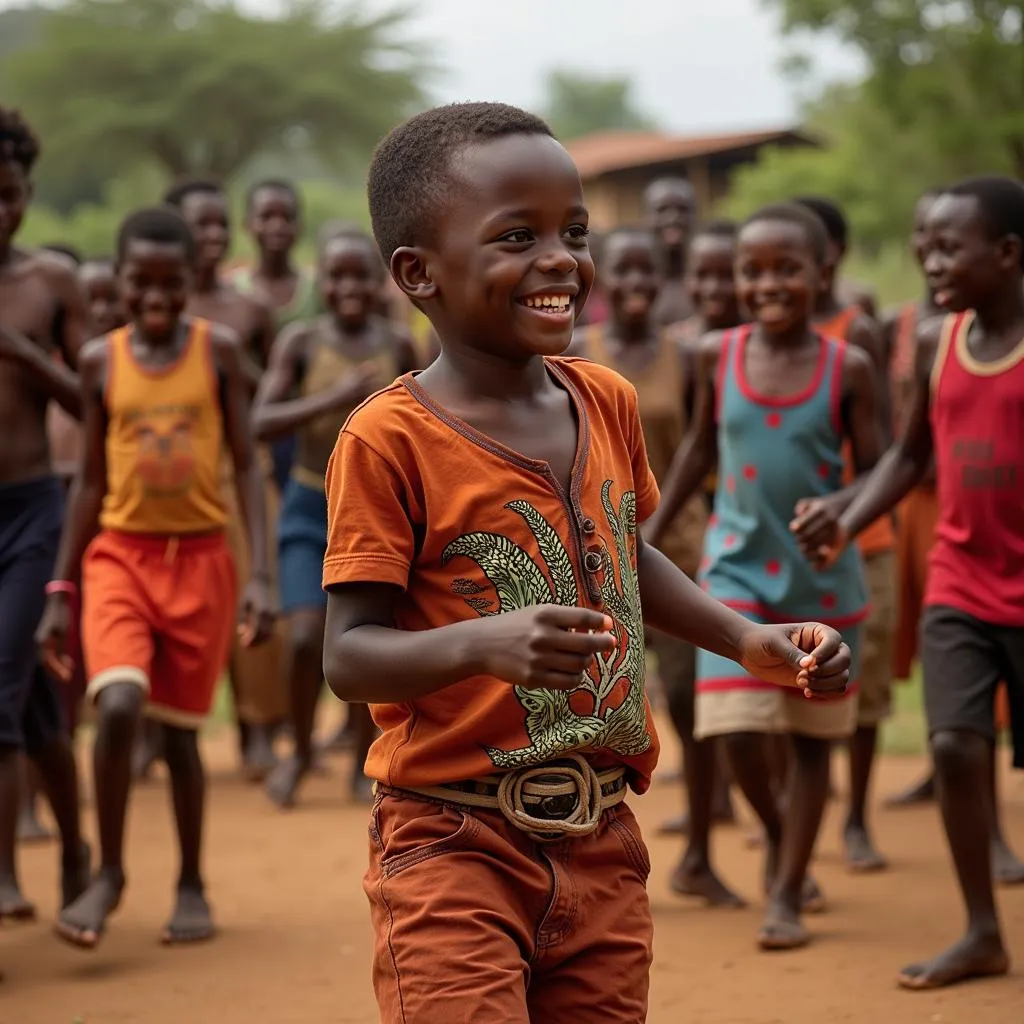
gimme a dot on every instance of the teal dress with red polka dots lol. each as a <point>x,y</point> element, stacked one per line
<point>771,453</point>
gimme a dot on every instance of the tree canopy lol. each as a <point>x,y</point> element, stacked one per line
<point>577,104</point>
<point>942,98</point>
<point>202,87</point>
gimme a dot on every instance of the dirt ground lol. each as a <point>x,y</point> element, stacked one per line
<point>295,936</point>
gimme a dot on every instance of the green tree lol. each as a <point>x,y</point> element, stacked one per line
<point>951,71</point>
<point>197,86</point>
<point>577,104</point>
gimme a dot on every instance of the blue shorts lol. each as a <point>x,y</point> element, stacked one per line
<point>301,546</point>
<point>282,455</point>
<point>31,518</point>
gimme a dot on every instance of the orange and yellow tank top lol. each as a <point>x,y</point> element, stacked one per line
<point>165,437</point>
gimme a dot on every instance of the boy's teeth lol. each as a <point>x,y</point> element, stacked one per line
<point>547,302</point>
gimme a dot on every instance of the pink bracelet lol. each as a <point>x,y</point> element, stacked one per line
<point>62,587</point>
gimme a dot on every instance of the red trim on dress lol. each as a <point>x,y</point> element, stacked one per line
<point>776,401</point>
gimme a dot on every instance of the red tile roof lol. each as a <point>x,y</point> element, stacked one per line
<point>603,152</point>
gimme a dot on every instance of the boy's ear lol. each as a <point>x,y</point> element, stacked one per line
<point>1009,250</point>
<point>411,272</point>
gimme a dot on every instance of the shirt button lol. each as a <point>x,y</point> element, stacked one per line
<point>592,561</point>
<point>588,526</point>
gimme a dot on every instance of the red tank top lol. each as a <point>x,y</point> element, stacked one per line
<point>977,415</point>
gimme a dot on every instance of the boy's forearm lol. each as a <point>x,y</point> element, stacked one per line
<point>896,474</point>
<point>374,664</point>
<point>83,510</point>
<point>673,603</point>
<point>60,382</point>
<point>252,502</point>
<point>279,419</point>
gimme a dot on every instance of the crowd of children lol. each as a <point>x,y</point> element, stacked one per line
<point>480,535</point>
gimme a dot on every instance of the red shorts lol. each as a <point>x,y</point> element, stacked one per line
<point>159,612</point>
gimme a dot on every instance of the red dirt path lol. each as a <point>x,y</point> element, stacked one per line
<point>294,945</point>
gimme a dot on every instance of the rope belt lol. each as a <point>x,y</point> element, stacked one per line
<point>560,800</point>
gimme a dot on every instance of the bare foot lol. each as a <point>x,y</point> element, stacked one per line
<point>30,828</point>
<point>922,792</point>
<point>974,956</point>
<point>1007,869</point>
<point>74,876</point>
<point>258,759</point>
<point>13,904</point>
<point>191,921</point>
<point>283,781</point>
<point>861,855</point>
<point>702,882</point>
<point>782,928</point>
<point>83,923</point>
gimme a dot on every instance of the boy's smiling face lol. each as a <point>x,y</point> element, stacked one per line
<point>508,266</point>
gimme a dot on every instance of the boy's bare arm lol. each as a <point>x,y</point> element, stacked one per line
<point>84,504</point>
<point>367,660</point>
<point>907,462</point>
<point>698,453</point>
<point>249,484</point>
<point>807,655</point>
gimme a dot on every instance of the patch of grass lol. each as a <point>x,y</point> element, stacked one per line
<point>905,733</point>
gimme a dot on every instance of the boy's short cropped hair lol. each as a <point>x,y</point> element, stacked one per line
<point>409,177</point>
<point>161,224</point>
<point>1001,201</point>
<point>803,217</point>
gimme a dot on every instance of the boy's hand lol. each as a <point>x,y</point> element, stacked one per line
<point>804,654</point>
<point>818,531</point>
<point>52,637</point>
<point>549,646</point>
<point>257,614</point>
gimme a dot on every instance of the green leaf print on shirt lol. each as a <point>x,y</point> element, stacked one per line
<point>554,728</point>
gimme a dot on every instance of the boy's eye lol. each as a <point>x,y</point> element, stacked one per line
<point>578,232</point>
<point>518,237</point>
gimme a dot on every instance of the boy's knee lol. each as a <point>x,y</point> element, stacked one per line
<point>180,745</point>
<point>958,755</point>
<point>120,705</point>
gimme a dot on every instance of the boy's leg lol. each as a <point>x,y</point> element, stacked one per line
<point>962,662</point>
<point>302,541</point>
<point>365,734</point>
<point>305,665</point>
<point>814,727</point>
<point>30,827</point>
<point>119,706</point>
<point>257,676</point>
<point>677,669</point>
<point>873,705</point>
<point>808,793</point>
<point>49,747</point>
<point>28,541</point>
<point>191,920</point>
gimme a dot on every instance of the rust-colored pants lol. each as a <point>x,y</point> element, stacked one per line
<point>476,923</point>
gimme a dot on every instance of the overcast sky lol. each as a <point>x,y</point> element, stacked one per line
<point>697,64</point>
